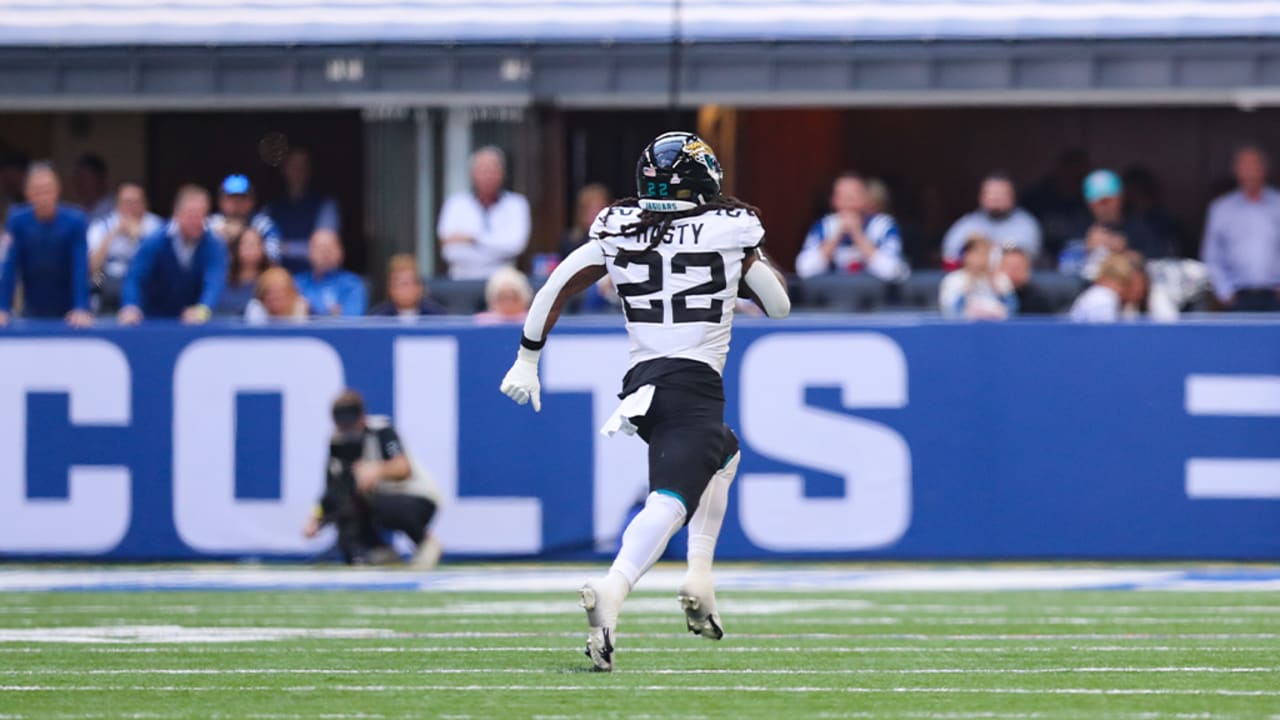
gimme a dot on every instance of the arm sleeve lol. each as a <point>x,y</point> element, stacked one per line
<point>389,443</point>
<point>810,261</point>
<point>1219,273</point>
<point>215,273</point>
<point>79,267</point>
<point>764,284</point>
<point>9,268</point>
<point>1034,241</point>
<point>139,269</point>
<point>951,294</point>
<point>954,240</point>
<point>271,240</point>
<point>584,259</point>
<point>887,263</point>
<point>450,222</point>
<point>327,218</point>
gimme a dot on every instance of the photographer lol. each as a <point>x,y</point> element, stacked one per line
<point>372,486</point>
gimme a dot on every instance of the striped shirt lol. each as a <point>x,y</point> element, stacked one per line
<point>881,230</point>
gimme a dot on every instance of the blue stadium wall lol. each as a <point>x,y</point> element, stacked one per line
<point>893,440</point>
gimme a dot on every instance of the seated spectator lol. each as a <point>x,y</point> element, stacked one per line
<point>1242,239</point>
<point>997,217</point>
<point>592,199</point>
<point>114,240</point>
<point>1104,301</point>
<point>89,180</point>
<point>180,271</point>
<point>235,213</point>
<point>975,291</point>
<point>301,212</point>
<point>47,255</point>
<point>13,180</point>
<point>276,298</point>
<point>486,228</point>
<point>1016,265</point>
<point>248,261</point>
<point>507,296</point>
<point>1109,231</point>
<point>406,293</point>
<point>854,237</point>
<point>330,289</point>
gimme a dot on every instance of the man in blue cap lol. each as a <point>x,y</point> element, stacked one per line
<point>235,213</point>
<point>1110,231</point>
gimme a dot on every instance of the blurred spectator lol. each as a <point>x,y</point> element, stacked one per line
<point>180,271</point>
<point>301,212</point>
<point>1110,230</point>
<point>853,238</point>
<point>373,486</point>
<point>507,296</point>
<point>997,217</point>
<point>406,294</point>
<point>330,289</point>
<point>114,240</point>
<point>13,180</point>
<point>89,180</point>
<point>1016,265</point>
<point>976,291</point>
<point>1144,206</point>
<point>592,199</point>
<point>1105,299</point>
<point>486,228</point>
<point>235,213</point>
<point>1055,201</point>
<point>1242,239</point>
<point>276,298</point>
<point>46,255</point>
<point>248,261</point>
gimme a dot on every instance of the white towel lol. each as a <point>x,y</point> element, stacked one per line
<point>632,406</point>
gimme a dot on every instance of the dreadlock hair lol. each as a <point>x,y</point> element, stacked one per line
<point>657,224</point>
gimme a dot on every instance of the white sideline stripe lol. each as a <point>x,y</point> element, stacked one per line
<point>643,688</point>
<point>870,649</point>
<point>1257,395</point>
<point>686,671</point>
<point>1233,479</point>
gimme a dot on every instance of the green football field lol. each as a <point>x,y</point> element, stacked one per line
<point>854,654</point>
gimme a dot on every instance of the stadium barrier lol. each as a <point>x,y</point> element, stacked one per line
<point>900,439</point>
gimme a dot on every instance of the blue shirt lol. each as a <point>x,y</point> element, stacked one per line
<point>50,258</point>
<point>1242,243</point>
<point>881,230</point>
<point>167,276</point>
<point>338,287</point>
<point>296,219</point>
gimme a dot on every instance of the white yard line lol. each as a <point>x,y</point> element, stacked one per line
<point>643,688</point>
<point>676,672</point>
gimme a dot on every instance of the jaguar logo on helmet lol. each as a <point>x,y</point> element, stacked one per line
<point>702,152</point>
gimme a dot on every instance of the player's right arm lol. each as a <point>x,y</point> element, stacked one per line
<point>576,273</point>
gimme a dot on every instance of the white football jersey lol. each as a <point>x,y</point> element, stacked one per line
<point>679,295</point>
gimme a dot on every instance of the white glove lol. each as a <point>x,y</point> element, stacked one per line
<point>521,383</point>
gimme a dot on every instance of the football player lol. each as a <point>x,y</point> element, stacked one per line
<point>679,255</point>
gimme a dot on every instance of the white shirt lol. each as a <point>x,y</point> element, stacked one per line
<point>1018,229</point>
<point>1098,304</point>
<point>990,297</point>
<point>121,250</point>
<point>881,231</point>
<point>499,233</point>
<point>679,296</point>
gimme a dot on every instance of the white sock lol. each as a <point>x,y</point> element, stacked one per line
<point>704,526</point>
<point>646,537</point>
